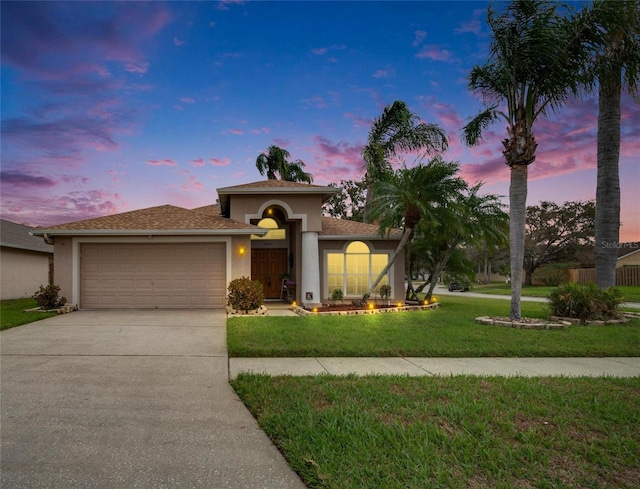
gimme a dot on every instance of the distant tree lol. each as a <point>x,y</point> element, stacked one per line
<point>275,164</point>
<point>396,130</point>
<point>348,203</point>
<point>611,34</point>
<point>529,71</point>
<point>557,233</point>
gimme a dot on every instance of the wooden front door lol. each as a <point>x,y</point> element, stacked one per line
<point>267,266</point>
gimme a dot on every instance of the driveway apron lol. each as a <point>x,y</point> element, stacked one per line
<point>125,399</point>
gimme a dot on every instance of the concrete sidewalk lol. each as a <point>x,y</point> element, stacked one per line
<point>528,367</point>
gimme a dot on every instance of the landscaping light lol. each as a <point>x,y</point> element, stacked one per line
<point>434,299</point>
<point>426,302</point>
<point>399,304</point>
<point>370,305</point>
<point>315,309</point>
<point>294,303</point>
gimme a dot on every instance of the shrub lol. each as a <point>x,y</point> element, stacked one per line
<point>385,291</point>
<point>245,294</point>
<point>337,295</point>
<point>585,302</point>
<point>551,276</point>
<point>47,297</point>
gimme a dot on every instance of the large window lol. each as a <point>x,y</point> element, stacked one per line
<point>274,231</point>
<point>355,270</point>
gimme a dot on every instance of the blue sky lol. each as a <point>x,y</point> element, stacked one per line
<point>115,106</point>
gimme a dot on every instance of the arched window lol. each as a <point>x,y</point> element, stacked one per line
<point>355,270</point>
<point>274,231</point>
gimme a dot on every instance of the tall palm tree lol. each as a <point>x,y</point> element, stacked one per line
<point>275,163</point>
<point>612,40</point>
<point>529,71</point>
<point>396,130</point>
<point>409,196</point>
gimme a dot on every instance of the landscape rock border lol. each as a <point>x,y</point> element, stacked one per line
<point>524,323</point>
<point>59,310</point>
<point>363,312</point>
<point>261,311</point>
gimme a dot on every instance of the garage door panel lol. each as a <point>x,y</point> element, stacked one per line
<point>127,275</point>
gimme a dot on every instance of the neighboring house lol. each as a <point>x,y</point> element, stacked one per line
<point>170,257</point>
<point>26,261</point>
<point>628,254</point>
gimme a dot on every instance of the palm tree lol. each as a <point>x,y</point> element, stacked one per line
<point>469,219</point>
<point>275,163</point>
<point>396,130</point>
<point>612,33</point>
<point>410,196</point>
<point>529,71</point>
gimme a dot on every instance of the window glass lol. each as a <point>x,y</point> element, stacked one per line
<point>274,231</point>
<point>355,270</point>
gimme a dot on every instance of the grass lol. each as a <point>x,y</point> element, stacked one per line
<point>11,314</point>
<point>453,432</point>
<point>631,293</point>
<point>450,331</point>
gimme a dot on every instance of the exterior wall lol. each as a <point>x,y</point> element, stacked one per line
<point>630,259</point>
<point>240,260</point>
<point>22,272</point>
<point>307,208</point>
<point>63,274</point>
<point>396,273</point>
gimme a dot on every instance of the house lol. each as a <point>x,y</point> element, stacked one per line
<point>628,254</point>
<point>26,262</point>
<point>170,257</point>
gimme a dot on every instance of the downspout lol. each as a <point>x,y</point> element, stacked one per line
<point>47,239</point>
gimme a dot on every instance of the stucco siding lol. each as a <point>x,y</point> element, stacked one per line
<point>63,272</point>
<point>22,272</point>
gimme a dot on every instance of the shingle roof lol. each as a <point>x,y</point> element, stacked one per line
<point>274,184</point>
<point>161,218</point>
<point>332,226</point>
<point>625,249</point>
<point>14,235</point>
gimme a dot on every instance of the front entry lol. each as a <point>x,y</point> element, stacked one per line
<point>268,267</point>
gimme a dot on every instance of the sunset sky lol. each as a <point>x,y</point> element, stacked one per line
<point>115,106</point>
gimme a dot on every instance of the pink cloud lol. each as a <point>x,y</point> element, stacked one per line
<point>187,100</point>
<point>198,162</point>
<point>237,132</point>
<point>262,130</point>
<point>166,162</point>
<point>283,143</point>
<point>319,51</point>
<point>219,162</point>
<point>419,37</point>
<point>192,185</point>
<point>24,180</point>
<point>384,74</point>
<point>434,52</point>
<point>178,42</point>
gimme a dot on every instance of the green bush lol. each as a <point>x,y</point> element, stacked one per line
<point>385,291</point>
<point>551,276</point>
<point>47,297</point>
<point>245,294</point>
<point>337,295</point>
<point>585,302</point>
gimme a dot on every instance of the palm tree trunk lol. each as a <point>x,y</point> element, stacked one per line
<point>406,237</point>
<point>517,219</point>
<point>608,187</point>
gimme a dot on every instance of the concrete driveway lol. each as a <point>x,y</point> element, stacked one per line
<point>128,399</point>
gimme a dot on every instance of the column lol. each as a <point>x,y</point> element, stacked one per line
<point>310,276</point>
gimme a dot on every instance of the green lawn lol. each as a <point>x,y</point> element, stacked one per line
<point>446,332</point>
<point>11,313</point>
<point>631,293</point>
<point>451,432</point>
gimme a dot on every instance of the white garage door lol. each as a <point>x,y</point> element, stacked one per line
<point>162,275</point>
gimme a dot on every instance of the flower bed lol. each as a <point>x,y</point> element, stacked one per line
<point>349,310</point>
